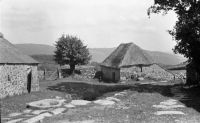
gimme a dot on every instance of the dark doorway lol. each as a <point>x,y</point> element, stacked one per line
<point>29,78</point>
<point>113,76</point>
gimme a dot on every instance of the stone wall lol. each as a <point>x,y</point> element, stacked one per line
<point>108,74</point>
<point>154,72</point>
<point>13,79</point>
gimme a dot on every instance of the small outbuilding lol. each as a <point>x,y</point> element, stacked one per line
<point>126,55</point>
<point>18,72</point>
<point>130,58</point>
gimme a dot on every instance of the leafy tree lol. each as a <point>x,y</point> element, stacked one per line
<point>186,32</point>
<point>70,50</point>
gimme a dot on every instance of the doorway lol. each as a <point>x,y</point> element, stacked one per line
<point>113,76</point>
<point>29,79</point>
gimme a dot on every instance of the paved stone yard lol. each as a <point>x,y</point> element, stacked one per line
<point>33,116</point>
<point>124,106</point>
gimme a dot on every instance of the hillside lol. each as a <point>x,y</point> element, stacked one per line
<point>33,49</point>
<point>98,54</point>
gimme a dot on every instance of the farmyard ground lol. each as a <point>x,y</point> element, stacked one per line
<point>136,103</point>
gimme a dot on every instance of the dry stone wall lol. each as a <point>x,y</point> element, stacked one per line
<point>158,73</point>
<point>13,79</point>
<point>154,72</point>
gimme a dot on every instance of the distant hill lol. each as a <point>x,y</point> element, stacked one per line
<point>98,54</point>
<point>166,58</point>
<point>36,49</point>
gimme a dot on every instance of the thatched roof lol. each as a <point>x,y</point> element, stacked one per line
<point>126,55</point>
<point>10,54</point>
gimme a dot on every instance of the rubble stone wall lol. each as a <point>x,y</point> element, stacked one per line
<point>13,79</point>
<point>152,72</point>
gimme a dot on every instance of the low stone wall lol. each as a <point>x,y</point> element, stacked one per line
<point>49,75</point>
<point>13,79</point>
<point>154,72</point>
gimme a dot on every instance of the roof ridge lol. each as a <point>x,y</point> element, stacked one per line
<point>126,52</point>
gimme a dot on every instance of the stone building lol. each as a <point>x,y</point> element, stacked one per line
<point>129,59</point>
<point>18,72</point>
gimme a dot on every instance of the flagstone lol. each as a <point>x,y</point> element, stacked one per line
<point>119,94</point>
<point>169,106</point>
<point>38,118</point>
<point>5,118</point>
<point>15,120</point>
<point>27,111</point>
<point>104,102</point>
<point>112,99</point>
<point>169,113</point>
<point>80,102</point>
<point>69,105</point>
<point>14,114</point>
<point>38,111</point>
<point>168,102</point>
<point>58,111</point>
<point>46,103</point>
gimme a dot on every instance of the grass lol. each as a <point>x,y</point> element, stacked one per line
<point>51,89</point>
<point>86,90</point>
<point>17,103</point>
<point>139,101</point>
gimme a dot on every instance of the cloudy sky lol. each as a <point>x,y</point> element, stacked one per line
<point>99,23</point>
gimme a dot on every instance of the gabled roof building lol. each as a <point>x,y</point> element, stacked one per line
<point>129,57</point>
<point>18,72</point>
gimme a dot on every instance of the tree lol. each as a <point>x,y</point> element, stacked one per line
<point>70,50</point>
<point>186,32</point>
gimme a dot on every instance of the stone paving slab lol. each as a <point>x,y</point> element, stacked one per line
<point>27,111</point>
<point>104,102</point>
<point>112,99</point>
<point>168,107</point>
<point>80,102</point>
<point>36,112</point>
<point>46,103</point>
<point>58,111</point>
<point>15,120</point>
<point>37,118</point>
<point>14,114</point>
<point>69,106</point>
<point>169,113</point>
<point>169,102</point>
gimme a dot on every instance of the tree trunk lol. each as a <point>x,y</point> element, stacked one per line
<point>72,68</point>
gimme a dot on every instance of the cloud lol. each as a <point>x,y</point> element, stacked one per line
<point>100,23</point>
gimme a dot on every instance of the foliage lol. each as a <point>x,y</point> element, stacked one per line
<point>186,32</point>
<point>70,50</point>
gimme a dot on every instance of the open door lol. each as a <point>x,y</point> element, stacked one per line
<point>113,76</point>
<point>29,79</point>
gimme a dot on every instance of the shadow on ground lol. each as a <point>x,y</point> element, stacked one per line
<point>189,97</point>
<point>91,92</point>
<point>87,91</point>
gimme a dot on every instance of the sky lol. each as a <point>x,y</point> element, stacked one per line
<point>99,23</point>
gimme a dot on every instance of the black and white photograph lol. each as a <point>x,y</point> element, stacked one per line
<point>99,61</point>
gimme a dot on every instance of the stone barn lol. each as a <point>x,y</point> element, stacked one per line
<point>128,59</point>
<point>18,72</point>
